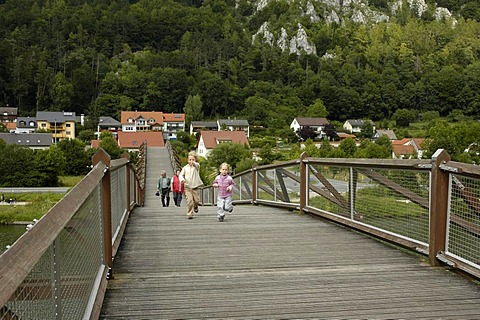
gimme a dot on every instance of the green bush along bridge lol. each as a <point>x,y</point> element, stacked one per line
<point>309,238</point>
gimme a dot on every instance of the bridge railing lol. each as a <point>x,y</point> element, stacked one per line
<point>431,206</point>
<point>59,268</point>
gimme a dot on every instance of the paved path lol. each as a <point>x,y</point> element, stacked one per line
<point>268,263</point>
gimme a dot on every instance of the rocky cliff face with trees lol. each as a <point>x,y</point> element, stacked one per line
<point>265,61</point>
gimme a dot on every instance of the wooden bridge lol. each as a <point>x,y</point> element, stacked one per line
<point>309,238</point>
<point>270,263</point>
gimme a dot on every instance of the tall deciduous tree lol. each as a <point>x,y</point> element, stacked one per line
<point>193,109</point>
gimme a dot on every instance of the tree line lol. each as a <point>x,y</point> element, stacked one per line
<point>100,57</point>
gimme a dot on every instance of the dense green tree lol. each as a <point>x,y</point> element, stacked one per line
<point>403,117</point>
<point>193,109</point>
<point>86,136</point>
<point>231,153</point>
<point>110,145</point>
<point>51,163</point>
<point>77,161</point>
<point>348,147</point>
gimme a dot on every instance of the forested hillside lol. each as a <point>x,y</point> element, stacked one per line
<point>99,57</point>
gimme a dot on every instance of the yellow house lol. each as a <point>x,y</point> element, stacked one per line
<point>60,124</point>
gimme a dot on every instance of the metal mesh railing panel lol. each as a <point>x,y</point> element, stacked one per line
<point>60,284</point>
<point>328,189</point>
<point>243,188</point>
<point>463,238</point>
<point>279,184</point>
<point>132,186</point>
<point>34,298</point>
<point>118,184</point>
<point>393,200</point>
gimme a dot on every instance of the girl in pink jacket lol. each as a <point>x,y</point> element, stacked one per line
<point>225,184</point>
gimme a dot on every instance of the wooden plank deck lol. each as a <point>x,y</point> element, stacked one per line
<point>268,263</point>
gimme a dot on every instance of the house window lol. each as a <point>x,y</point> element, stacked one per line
<point>68,125</point>
<point>223,141</point>
<point>134,143</point>
<point>130,120</point>
<point>32,124</point>
<point>67,132</point>
<point>44,125</point>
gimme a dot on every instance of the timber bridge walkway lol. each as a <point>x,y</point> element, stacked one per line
<point>323,239</point>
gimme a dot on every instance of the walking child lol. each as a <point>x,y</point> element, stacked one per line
<point>178,188</point>
<point>225,185</point>
<point>190,175</point>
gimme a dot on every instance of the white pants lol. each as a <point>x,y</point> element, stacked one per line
<point>224,205</point>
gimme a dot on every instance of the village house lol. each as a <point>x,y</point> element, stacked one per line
<point>134,121</point>
<point>234,125</point>
<point>173,123</point>
<point>60,124</point>
<point>208,140</point>
<point>108,124</point>
<point>196,126</point>
<point>408,148</point>
<point>8,114</point>
<point>355,125</point>
<point>26,125</point>
<point>316,124</point>
<point>31,140</point>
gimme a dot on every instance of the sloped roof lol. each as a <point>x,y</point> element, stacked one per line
<point>27,139</point>
<point>389,133</point>
<point>312,121</point>
<point>9,111</point>
<point>403,141</point>
<point>212,138</point>
<point>56,116</point>
<point>403,149</point>
<point>355,122</point>
<point>10,125</point>
<point>232,122</point>
<point>419,142</point>
<point>174,117</point>
<point>204,124</point>
<point>344,135</point>
<point>133,140</point>
<point>147,115</point>
<point>21,120</point>
<point>109,121</point>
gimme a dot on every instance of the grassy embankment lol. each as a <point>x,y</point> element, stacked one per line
<point>31,206</point>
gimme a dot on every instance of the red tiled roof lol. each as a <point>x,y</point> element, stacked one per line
<point>95,144</point>
<point>211,138</point>
<point>174,117</point>
<point>158,116</point>
<point>401,142</point>
<point>133,140</point>
<point>403,150</point>
<point>10,125</point>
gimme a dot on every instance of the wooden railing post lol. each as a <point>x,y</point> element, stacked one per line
<point>303,182</point>
<point>102,156</point>
<point>438,206</point>
<point>254,185</point>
